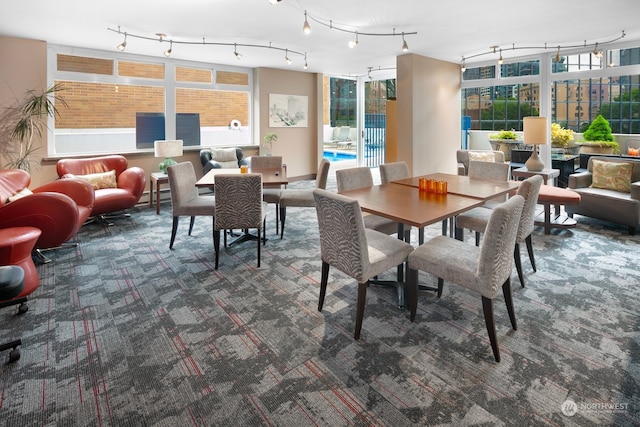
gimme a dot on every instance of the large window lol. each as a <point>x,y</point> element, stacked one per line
<point>117,105</point>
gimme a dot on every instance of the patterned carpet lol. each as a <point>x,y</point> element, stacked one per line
<point>125,332</point>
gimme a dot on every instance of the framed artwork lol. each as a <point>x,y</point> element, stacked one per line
<point>288,110</point>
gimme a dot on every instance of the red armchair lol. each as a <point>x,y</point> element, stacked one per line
<point>58,208</point>
<point>130,182</point>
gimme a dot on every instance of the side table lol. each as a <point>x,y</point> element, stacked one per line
<point>525,173</point>
<point>157,179</point>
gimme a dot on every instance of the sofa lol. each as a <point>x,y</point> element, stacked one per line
<point>220,158</point>
<point>117,186</point>
<point>609,190</point>
<point>462,157</point>
<point>58,208</point>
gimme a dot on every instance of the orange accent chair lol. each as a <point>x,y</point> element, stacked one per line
<point>125,194</point>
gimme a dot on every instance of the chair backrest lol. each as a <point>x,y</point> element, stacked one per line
<point>529,189</point>
<point>394,171</point>
<point>238,201</point>
<point>182,182</point>
<point>495,263</point>
<point>92,165</point>
<point>463,157</point>
<point>323,174</point>
<point>266,162</point>
<point>489,170</point>
<point>343,242</point>
<point>353,178</point>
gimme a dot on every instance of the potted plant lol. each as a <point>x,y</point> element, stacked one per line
<point>269,139</point>
<point>562,138</point>
<point>22,122</point>
<point>598,138</point>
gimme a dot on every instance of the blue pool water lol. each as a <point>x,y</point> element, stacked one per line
<point>334,156</point>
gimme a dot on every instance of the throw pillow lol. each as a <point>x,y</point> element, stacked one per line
<point>224,155</point>
<point>633,152</point>
<point>101,180</point>
<point>612,175</point>
<point>482,156</point>
<point>19,195</point>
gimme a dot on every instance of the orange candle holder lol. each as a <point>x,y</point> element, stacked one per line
<point>244,169</point>
<point>441,187</point>
<point>431,185</point>
<point>422,183</point>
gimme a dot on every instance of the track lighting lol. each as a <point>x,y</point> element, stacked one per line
<point>286,57</point>
<point>167,52</point>
<point>557,58</point>
<point>463,67</point>
<point>500,60</point>
<point>305,61</point>
<point>597,53</point>
<point>306,28</point>
<point>354,43</point>
<point>123,45</point>
<point>236,53</point>
<point>405,46</point>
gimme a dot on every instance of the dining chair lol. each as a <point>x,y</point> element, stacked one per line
<point>481,269</point>
<point>477,219</point>
<point>347,245</point>
<point>394,171</point>
<point>270,193</point>
<point>185,199</point>
<point>361,177</point>
<point>292,197</point>
<point>239,205</point>
<point>490,170</point>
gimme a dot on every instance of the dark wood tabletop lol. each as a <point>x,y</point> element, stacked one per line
<point>462,185</point>
<point>277,176</point>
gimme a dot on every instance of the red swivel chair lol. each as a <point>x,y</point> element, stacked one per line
<point>130,183</point>
<point>11,284</point>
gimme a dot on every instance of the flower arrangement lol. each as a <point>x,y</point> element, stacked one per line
<point>269,139</point>
<point>560,137</point>
<point>504,134</point>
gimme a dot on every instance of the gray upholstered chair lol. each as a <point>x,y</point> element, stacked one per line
<point>239,205</point>
<point>463,157</point>
<point>482,269</point>
<point>360,177</point>
<point>351,248</point>
<point>270,193</point>
<point>185,200</point>
<point>394,171</point>
<point>291,197</point>
<point>494,171</point>
<point>478,218</point>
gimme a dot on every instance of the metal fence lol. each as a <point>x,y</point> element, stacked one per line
<point>374,139</point>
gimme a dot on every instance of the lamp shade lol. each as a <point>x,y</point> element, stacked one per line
<point>535,130</point>
<point>168,148</point>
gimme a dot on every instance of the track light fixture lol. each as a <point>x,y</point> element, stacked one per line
<point>286,57</point>
<point>596,52</point>
<point>167,52</point>
<point>305,61</point>
<point>162,38</point>
<point>463,67</point>
<point>123,45</point>
<point>353,43</point>
<point>306,28</point>
<point>274,1</point>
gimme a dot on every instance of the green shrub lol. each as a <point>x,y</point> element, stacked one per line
<point>599,130</point>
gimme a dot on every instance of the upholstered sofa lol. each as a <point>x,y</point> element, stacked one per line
<point>58,208</point>
<point>462,157</point>
<point>117,186</point>
<point>608,191</point>
<point>217,158</point>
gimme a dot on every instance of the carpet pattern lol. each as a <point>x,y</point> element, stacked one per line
<point>125,332</point>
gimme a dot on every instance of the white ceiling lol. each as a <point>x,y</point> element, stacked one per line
<point>446,30</point>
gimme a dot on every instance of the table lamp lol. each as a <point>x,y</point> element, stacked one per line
<point>167,149</point>
<point>535,133</point>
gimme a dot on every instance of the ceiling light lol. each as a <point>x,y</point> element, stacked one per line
<point>354,43</point>
<point>597,53</point>
<point>167,52</point>
<point>236,53</point>
<point>463,67</point>
<point>286,57</point>
<point>306,28</point>
<point>123,45</point>
<point>405,47</point>
<point>305,61</point>
<point>500,60</point>
<point>558,55</point>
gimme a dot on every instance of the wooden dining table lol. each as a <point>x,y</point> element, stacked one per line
<point>465,186</point>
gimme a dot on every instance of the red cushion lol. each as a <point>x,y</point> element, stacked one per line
<point>557,195</point>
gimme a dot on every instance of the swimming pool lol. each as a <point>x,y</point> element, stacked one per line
<point>335,156</point>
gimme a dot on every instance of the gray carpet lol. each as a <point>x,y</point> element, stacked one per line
<point>125,332</point>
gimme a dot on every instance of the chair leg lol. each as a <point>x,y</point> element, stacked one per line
<point>477,238</point>
<point>283,215</point>
<point>216,243</point>
<point>518,262</point>
<point>258,243</point>
<point>459,233</point>
<point>508,299</point>
<point>362,296</point>
<point>487,306</point>
<point>440,286</point>
<point>174,228</point>
<point>277,218</point>
<point>14,355</point>
<point>323,284</point>
<point>193,219</point>
<point>412,292</point>
<point>530,251</point>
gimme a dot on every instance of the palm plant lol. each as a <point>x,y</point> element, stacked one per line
<point>25,120</point>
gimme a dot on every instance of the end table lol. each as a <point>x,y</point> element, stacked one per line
<point>157,179</point>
